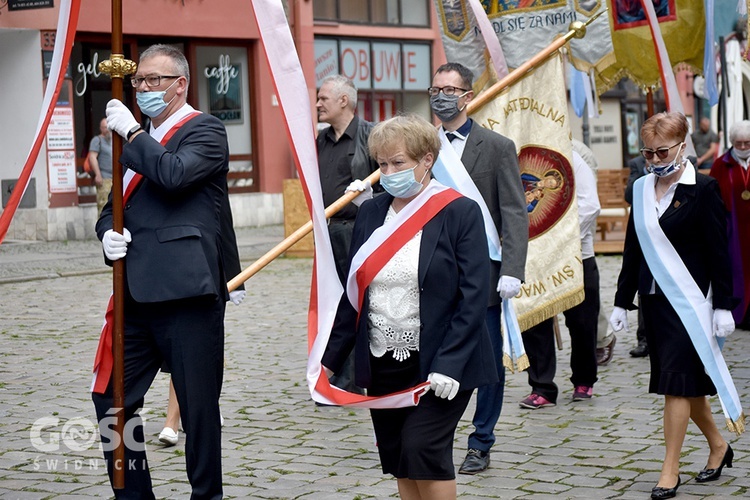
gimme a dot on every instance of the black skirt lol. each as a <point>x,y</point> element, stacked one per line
<point>676,368</point>
<point>415,442</point>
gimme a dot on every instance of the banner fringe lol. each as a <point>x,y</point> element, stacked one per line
<point>559,305</point>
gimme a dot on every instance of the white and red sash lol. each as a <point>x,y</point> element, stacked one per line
<point>379,248</point>
<point>103,360</point>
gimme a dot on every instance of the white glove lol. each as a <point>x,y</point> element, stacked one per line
<point>115,245</point>
<point>508,287</point>
<point>364,187</point>
<point>119,118</point>
<point>723,323</point>
<point>443,386</point>
<point>619,319</point>
<point>237,296</point>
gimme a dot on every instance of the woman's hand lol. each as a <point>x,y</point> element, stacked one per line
<point>723,323</point>
<point>443,386</point>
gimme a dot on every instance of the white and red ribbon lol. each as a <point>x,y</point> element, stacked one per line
<point>66,29</point>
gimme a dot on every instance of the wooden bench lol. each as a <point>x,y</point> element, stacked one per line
<point>615,210</point>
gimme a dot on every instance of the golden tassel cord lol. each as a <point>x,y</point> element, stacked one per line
<point>737,427</point>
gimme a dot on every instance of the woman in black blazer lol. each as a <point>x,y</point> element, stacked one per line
<point>422,314</point>
<point>690,214</point>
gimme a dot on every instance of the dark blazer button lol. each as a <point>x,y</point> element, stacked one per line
<point>127,206</point>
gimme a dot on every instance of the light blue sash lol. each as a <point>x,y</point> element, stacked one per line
<point>685,296</point>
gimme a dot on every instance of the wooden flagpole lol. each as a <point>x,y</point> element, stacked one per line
<point>117,67</point>
<point>577,29</point>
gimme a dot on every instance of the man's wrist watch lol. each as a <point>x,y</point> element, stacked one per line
<point>132,131</point>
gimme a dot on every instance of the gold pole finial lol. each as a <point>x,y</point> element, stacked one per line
<point>117,66</point>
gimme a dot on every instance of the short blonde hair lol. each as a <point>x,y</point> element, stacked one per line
<point>418,136</point>
<point>665,125</point>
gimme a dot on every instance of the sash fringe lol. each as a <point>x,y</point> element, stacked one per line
<point>559,305</point>
<point>521,364</point>
<point>737,427</point>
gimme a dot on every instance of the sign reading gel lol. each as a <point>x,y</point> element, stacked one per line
<point>224,73</point>
<point>377,65</point>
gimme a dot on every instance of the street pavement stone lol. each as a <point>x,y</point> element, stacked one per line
<point>276,443</point>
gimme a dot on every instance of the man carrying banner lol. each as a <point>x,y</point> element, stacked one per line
<point>175,294</point>
<point>492,164</point>
<point>344,161</point>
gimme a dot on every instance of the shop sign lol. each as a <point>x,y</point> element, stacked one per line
<point>62,171</point>
<point>377,65</point>
<point>29,4</point>
<point>84,71</point>
<point>224,90</point>
<point>60,129</point>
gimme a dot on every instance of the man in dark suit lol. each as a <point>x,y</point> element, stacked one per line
<point>175,273</point>
<point>491,161</point>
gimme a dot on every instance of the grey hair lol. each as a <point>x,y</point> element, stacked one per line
<point>178,58</point>
<point>341,85</point>
<point>740,129</point>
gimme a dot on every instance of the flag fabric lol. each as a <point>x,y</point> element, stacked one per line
<point>325,289</point>
<point>534,114</point>
<point>682,24</point>
<point>709,57</point>
<point>524,28</point>
<point>66,29</point>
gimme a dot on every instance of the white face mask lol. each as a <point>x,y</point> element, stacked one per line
<point>742,154</point>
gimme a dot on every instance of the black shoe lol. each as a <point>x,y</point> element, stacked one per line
<point>475,461</point>
<point>640,351</point>
<point>713,474</point>
<point>658,492</point>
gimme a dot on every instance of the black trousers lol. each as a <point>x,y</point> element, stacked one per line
<point>581,321</point>
<point>188,336</point>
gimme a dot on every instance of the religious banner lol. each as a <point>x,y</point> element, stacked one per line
<point>682,24</point>
<point>524,27</point>
<point>534,114</point>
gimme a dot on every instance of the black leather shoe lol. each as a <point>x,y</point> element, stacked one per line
<point>475,461</point>
<point>713,474</point>
<point>640,351</point>
<point>658,492</point>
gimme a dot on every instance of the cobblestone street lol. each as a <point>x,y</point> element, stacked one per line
<point>276,443</point>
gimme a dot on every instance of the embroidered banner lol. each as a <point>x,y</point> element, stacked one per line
<point>524,27</point>
<point>533,113</point>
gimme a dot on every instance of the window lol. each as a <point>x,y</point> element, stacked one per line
<point>383,12</point>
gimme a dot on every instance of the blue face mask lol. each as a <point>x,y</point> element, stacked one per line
<point>668,169</point>
<point>152,103</point>
<point>402,184</point>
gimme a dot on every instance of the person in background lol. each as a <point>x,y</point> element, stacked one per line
<point>344,163</point>
<point>605,337</point>
<point>100,159</point>
<point>423,312</point>
<point>731,171</point>
<point>581,320</point>
<point>706,143</point>
<point>674,208</point>
<point>491,161</point>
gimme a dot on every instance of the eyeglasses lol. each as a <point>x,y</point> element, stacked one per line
<point>741,144</point>
<point>662,153</point>
<point>151,81</point>
<point>433,91</point>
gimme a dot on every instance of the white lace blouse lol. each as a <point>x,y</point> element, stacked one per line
<point>393,318</point>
